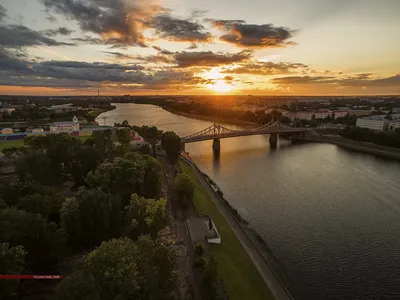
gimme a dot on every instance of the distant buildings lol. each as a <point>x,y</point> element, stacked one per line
<point>67,127</point>
<point>63,108</point>
<point>377,122</point>
<point>316,114</point>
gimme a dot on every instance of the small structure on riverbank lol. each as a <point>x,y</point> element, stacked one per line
<point>203,229</point>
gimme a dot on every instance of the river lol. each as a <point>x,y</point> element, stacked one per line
<point>331,216</point>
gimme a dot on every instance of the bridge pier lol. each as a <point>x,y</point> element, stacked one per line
<point>216,145</point>
<point>273,139</point>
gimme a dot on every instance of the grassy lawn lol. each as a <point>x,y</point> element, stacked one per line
<point>96,112</point>
<point>241,278</point>
<point>10,144</point>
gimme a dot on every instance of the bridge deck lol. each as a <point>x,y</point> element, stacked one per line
<point>200,138</point>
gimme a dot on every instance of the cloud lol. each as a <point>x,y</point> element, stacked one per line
<point>3,12</point>
<point>88,40</point>
<point>59,31</point>
<point>118,20</point>
<point>21,36</point>
<point>11,61</point>
<point>268,68</point>
<point>360,80</point>
<point>242,34</point>
<point>304,80</point>
<point>86,65</point>
<point>120,55</point>
<point>159,58</point>
<point>209,59</point>
<point>181,30</point>
<point>388,81</point>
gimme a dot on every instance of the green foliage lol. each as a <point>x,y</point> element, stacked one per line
<point>122,178</point>
<point>12,262</point>
<point>33,197</point>
<point>384,138</point>
<point>200,263</point>
<point>123,269</point>
<point>145,149</point>
<point>184,189</point>
<point>199,249</point>
<point>151,134</point>
<point>13,152</point>
<point>171,143</point>
<point>145,216</point>
<point>87,159</point>
<point>153,178</point>
<point>210,282</point>
<point>35,165</point>
<point>91,217</point>
<point>40,239</point>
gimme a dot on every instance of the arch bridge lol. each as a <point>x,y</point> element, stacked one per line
<point>216,132</point>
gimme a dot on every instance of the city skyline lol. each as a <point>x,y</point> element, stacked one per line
<point>288,47</point>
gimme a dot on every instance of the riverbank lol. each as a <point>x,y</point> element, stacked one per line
<point>237,255</point>
<point>212,118</point>
<point>364,147</point>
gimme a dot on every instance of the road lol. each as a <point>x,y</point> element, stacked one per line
<point>270,279</point>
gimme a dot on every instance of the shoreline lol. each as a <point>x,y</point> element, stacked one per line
<point>370,148</point>
<point>276,278</point>
<point>374,149</point>
<point>211,118</point>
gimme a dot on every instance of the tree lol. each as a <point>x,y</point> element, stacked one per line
<point>87,159</point>
<point>40,239</point>
<point>184,189</point>
<point>35,165</point>
<point>122,178</point>
<point>14,151</point>
<point>210,282</point>
<point>91,217</point>
<point>153,177</point>
<point>171,143</point>
<point>33,197</point>
<point>145,216</point>
<point>151,135</point>
<point>123,269</point>
<point>12,262</point>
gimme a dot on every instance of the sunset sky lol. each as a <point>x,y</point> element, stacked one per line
<point>258,47</point>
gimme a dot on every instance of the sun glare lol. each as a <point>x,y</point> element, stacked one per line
<point>221,86</point>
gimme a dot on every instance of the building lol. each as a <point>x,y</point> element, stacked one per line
<point>378,122</point>
<point>63,108</point>
<point>322,114</point>
<point>340,113</point>
<point>7,110</point>
<point>67,127</point>
<point>6,131</point>
<point>137,141</point>
<point>37,130</point>
<point>300,115</point>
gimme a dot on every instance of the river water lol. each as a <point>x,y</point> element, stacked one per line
<point>331,216</point>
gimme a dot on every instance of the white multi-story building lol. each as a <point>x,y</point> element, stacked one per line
<point>378,122</point>
<point>67,127</point>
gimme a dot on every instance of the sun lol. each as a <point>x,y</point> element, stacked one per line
<point>221,86</point>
